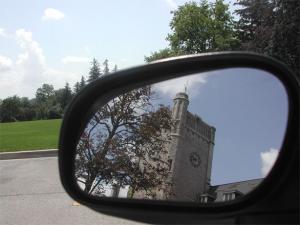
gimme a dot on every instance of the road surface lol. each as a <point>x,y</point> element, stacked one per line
<point>31,193</point>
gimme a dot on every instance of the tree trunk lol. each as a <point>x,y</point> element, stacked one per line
<point>88,184</point>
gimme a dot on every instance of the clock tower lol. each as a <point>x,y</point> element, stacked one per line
<point>190,152</point>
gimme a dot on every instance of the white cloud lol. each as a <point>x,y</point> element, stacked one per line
<point>75,59</point>
<point>30,70</point>
<point>171,3</point>
<point>30,63</point>
<point>5,63</point>
<point>191,83</point>
<point>268,158</point>
<point>53,14</point>
<point>2,32</point>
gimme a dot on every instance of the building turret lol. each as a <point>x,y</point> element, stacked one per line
<point>181,102</point>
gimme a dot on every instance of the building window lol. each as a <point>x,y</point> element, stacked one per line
<point>228,196</point>
<point>204,199</point>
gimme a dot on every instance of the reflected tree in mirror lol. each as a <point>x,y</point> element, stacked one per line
<point>124,146</point>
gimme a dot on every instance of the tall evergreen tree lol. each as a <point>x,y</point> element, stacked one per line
<point>66,96</point>
<point>95,71</point>
<point>76,87</point>
<point>115,69</point>
<point>106,68</point>
<point>82,82</point>
<point>286,34</point>
<point>255,25</point>
<point>271,27</point>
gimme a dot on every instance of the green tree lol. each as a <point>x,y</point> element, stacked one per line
<point>76,87</point>
<point>82,83</point>
<point>202,27</point>
<point>161,54</point>
<point>10,109</point>
<point>44,93</point>
<point>199,27</point>
<point>66,96</point>
<point>106,68</point>
<point>255,26</point>
<point>95,72</point>
<point>27,111</point>
<point>271,27</point>
<point>286,34</point>
<point>55,112</point>
<point>45,98</point>
<point>115,69</point>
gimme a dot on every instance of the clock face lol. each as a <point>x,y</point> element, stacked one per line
<point>195,159</point>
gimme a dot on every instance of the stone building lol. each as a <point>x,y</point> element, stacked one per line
<point>190,152</point>
<point>190,155</point>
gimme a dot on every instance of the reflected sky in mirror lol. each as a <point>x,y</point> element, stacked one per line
<point>249,109</point>
<point>205,137</point>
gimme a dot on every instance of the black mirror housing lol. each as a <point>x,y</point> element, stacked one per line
<point>276,200</point>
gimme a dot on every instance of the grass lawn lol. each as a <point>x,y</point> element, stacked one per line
<point>29,135</point>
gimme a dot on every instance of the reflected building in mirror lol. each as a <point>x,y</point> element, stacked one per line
<point>190,155</point>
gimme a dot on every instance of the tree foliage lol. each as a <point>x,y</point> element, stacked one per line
<point>10,109</point>
<point>286,35</point>
<point>271,27</point>
<point>123,145</point>
<point>76,87</point>
<point>199,27</point>
<point>161,54</point>
<point>95,71</point>
<point>67,96</point>
<point>48,102</point>
<point>202,27</point>
<point>82,83</point>
<point>44,93</point>
<point>106,68</point>
<point>255,26</point>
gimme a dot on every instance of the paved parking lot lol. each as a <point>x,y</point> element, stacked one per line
<point>31,193</point>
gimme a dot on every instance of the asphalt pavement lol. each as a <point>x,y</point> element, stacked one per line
<point>31,194</point>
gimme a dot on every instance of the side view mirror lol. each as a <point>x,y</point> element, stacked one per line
<point>193,139</point>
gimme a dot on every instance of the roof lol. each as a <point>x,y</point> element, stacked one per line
<point>242,187</point>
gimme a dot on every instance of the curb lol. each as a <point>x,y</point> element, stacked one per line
<point>29,154</point>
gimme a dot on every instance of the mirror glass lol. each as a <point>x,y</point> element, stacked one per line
<point>206,137</point>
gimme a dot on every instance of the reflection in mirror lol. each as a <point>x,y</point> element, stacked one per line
<point>201,138</point>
